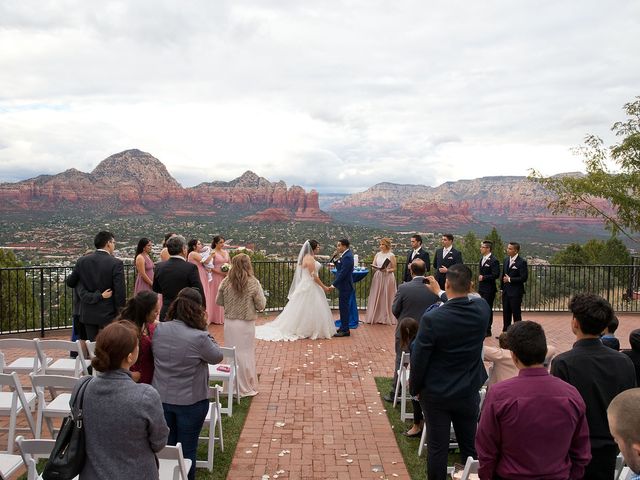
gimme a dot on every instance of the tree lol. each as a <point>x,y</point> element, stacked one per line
<point>572,255</point>
<point>612,196</point>
<point>18,307</point>
<point>470,248</point>
<point>498,248</point>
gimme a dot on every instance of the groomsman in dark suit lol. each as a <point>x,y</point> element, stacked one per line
<point>416,252</point>
<point>515,273</point>
<point>175,274</point>
<point>489,272</point>
<point>445,257</point>
<point>98,280</point>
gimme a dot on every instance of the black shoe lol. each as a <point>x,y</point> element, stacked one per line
<point>412,435</point>
<point>389,397</point>
<point>341,333</point>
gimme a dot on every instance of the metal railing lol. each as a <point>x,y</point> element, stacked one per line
<point>36,299</point>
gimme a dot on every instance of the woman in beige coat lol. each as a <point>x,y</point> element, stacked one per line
<point>241,295</point>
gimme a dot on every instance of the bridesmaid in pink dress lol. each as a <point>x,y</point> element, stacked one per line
<point>195,257</point>
<point>144,266</point>
<point>383,286</point>
<point>221,257</point>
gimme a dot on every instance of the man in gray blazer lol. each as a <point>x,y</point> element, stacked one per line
<point>411,300</point>
<point>99,282</point>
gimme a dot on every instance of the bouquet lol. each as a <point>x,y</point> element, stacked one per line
<point>225,267</point>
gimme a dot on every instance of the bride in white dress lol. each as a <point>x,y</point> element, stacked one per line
<point>307,314</point>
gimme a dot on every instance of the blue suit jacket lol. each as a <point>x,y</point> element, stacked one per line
<point>446,360</point>
<point>344,272</point>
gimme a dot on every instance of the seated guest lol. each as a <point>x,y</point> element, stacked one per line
<point>123,421</point>
<point>624,422</point>
<point>182,350</point>
<point>609,338</point>
<point>534,425</point>
<point>502,366</point>
<point>143,310</point>
<point>634,353</point>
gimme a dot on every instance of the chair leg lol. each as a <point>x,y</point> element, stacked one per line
<point>423,439</point>
<point>219,422</point>
<point>12,432</point>
<point>397,390</point>
<point>230,393</point>
<point>39,423</point>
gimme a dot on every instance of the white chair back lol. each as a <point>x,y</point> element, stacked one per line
<point>20,365</point>
<point>59,388</point>
<point>14,402</point>
<point>173,465</point>
<point>75,367</point>
<point>470,467</point>
<point>218,373</point>
<point>211,421</point>
<point>31,451</point>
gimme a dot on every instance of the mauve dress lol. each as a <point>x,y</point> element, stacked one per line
<point>141,285</point>
<point>204,279</point>
<point>383,290</point>
<point>217,314</point>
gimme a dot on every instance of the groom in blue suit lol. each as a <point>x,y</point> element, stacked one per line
<point>344,284</point>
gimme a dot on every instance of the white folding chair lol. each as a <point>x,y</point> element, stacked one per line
<point>14,402</point>
<point>58,407</point>
<point>31,451</point>
<point>9,464</point>
<point>215,374</point>
<point>173,465</point>
<point>91,349</point>
<point>213,419</point>
<point>66,365</point>
<point>21,365</point>
<point>402,387</point>
<point>471,466</point>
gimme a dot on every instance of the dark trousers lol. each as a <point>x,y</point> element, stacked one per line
<point>417,412</point>
<point>440,414</point>
<point>489,296</point>
<point>510,308</point>
<point>185,423</point>
<point>91,331</point>
<point>602,464</point>
<point>344,297</point>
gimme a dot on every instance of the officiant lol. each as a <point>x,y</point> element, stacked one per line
<point>383,286</point>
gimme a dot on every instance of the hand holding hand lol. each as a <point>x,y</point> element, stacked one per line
<point>479,278</point>
<point>443,269</point>
<point>107,293</point>
<point>506,279</point>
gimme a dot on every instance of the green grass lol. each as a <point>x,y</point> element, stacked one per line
<point>231,429</point>
<point>416,466</point>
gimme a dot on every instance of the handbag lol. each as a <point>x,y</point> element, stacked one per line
<point>68,455</point>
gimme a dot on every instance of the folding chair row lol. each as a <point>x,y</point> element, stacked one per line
<point>172,464</point>
<point>226,372</point>
<point>14,402</point>
<point>39,361</point>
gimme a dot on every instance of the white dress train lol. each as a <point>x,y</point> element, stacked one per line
<point>306,315</point>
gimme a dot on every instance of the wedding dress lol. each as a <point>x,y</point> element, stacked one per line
<point>306,315</point>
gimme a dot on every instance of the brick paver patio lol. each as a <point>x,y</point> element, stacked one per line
<point>319,413</point>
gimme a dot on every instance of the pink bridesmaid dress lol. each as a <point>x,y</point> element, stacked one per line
<point>140,284</point>
<point>217,315</point>
<point>204,279</point>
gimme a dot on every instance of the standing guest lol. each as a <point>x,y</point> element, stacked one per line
<point>242,296</point>
<point>489,272</point>
<point>175,274</point>
<point>444,258</point>
<point>142,310</point>
<point>195,256</point>
<point>634,353</point>
<point>383,286</point>
<point>124,425</point>
<point>502,365</point>
<point>515,273</point>
<point>182,350</point>
<point>609,337</point>
<point>164,253</point>
<point>412,300</point>
<point>599,373</point>
<point>447,370</point>
<point>144,266</point>
<point>220,257</point>
<point>416,252</point>
<point>624,421</point>
<point>99,278</point>
<point>532,425</point>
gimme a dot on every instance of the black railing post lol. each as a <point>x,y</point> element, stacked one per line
<point>608,283</point>
<point>41,302</point>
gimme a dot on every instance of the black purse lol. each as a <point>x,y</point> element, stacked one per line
<point>68,455</point>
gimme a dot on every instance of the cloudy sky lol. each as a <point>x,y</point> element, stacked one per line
<point>332,95</point>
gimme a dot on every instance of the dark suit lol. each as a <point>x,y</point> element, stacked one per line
<point>172,276</point>
<point>344,283</point>
<point>411,300</point>
<point>453,257</point>
<point>487,289</point>
<point>93,274</point>
<point>513,291</point>
<point>447,372</point>
<point>422,255</point>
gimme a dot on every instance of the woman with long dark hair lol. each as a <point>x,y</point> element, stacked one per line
<point>182,350</point>
<point>220,258</point>
<point>124,422</point>
<point>242,296</point>
<point>144,266</point>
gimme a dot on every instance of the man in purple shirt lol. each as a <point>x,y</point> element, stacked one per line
<point>534,425</point>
